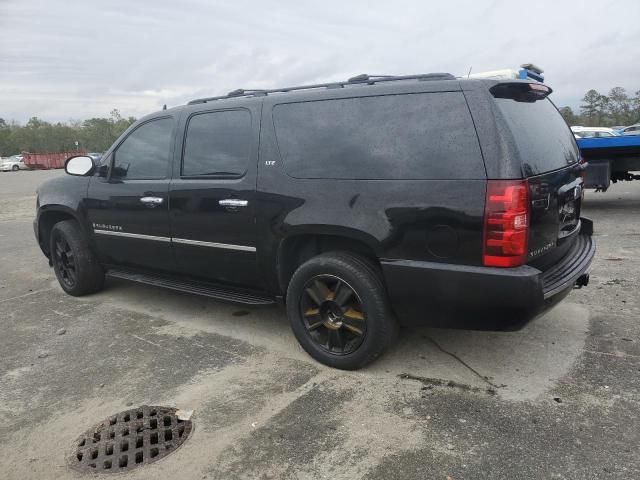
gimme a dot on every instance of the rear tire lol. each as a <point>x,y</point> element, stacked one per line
<point>15,168</point>
<point>338,310</point>
<point>75,265</point>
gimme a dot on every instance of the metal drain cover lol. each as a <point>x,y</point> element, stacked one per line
<point>129,439</point>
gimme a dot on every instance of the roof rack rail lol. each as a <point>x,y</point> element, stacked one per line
<point>357,80</point>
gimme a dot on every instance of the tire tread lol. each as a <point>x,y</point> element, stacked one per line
<point>90,273</point>
<point>367,273</point>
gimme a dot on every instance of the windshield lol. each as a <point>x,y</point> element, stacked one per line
<point>542,137</point>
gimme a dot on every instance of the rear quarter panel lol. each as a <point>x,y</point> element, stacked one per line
<point>496,141</point>
<point>433,220</point>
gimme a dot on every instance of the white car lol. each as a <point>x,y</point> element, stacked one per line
<point>631,130</point>
<point>14,164</point>
<point>593,132</point>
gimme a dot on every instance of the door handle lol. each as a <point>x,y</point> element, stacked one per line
<point>152,202</point>
<point>233,202</point>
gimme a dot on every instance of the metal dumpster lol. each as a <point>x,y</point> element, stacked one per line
<point>45,161</point>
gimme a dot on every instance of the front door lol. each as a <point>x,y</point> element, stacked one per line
<point>129,207</point>
<point>212,210</point>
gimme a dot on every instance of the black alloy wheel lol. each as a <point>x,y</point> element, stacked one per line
<point>65,260</point>
<point>338,310</point>
<point>333,314</point>
<point>76,267</point>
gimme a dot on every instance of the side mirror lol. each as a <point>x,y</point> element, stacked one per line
<point>79,166</point>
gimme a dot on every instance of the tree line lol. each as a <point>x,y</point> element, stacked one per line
<point>98,134</point>
<point>92,135</point>
<point>618,108</point>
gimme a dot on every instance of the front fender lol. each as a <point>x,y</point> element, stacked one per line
<point>60,199</point>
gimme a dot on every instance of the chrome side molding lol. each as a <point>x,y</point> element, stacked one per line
<point>227,246</point>
<point>184,241</point>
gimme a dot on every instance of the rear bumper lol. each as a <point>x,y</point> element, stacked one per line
<point>439,293</point>
<point>564,274</point>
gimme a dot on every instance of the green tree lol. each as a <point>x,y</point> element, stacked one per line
<point>635,108</point>
<point>592,108</point>
<point>596,110</point>
<point>98,134</point>
<point>7,146</point>
<point>619,106</point>
<point>569,116</point>
<point>94,134</point>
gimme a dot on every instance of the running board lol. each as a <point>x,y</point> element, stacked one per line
<point>197,288</point>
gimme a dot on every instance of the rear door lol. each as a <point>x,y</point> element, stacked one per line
<point>129,207</point>
<point>212,197</point>
<point>548,156</point>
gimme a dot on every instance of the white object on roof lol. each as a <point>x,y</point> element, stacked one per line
<point>497,74</point>
<point>527,71</point>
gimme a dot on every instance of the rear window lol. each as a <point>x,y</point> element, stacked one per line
<point>542,137</point>
<point>217,143</point>
<point>411,136</point>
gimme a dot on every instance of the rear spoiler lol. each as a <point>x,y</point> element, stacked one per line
<point>521,91</point>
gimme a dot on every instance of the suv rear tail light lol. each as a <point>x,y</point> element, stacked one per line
<point>506,223</point>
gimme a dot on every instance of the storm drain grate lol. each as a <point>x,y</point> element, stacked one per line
<point>130,439</point>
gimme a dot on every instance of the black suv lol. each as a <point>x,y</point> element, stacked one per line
<point>420,198</point>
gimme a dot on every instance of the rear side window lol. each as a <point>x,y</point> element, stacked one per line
<point>218,143</point>
<point>144,154</point>
<point>411,136</point>
<point>542,137</point>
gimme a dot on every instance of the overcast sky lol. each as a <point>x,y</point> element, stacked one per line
<point>62,59</point>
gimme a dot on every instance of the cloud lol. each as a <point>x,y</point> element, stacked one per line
<point>71,58</point>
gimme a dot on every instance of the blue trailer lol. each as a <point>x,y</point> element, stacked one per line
<point>611,159</point>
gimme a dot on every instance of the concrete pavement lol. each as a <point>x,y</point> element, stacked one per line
<point>557,399</point>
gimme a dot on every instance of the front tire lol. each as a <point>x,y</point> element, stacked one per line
<point>15,168</point>
<point>338,310</point>
<point>75,265</point>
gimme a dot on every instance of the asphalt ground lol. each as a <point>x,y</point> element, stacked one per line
<point>558,399</point>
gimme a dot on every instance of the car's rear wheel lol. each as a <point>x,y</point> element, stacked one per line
<point>75,265</point>
<point>338,309</point>
<point>15,168</point>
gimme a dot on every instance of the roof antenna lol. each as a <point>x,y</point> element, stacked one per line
<point>469,73</point>
<point>164,107</point>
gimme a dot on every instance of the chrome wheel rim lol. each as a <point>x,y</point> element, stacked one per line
<point>333,314</point>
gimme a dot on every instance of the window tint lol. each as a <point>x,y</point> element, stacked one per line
<point>542,137</point>
<point>218,143</point>
<point>412,136</point>
<point>145,152</point>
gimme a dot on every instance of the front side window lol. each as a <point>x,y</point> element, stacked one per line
<point>218,144</point>
<point>144,154</point>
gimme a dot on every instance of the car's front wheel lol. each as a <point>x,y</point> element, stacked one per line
<point>338,309</point>
<point>75,265</point>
